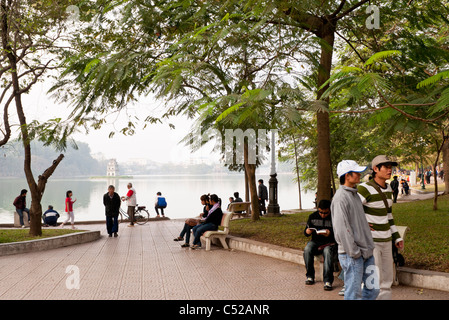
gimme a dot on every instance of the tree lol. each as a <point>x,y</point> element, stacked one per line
<point>29,32</point>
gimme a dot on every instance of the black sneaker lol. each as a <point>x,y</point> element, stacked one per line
<point>310,281</point>
<point>328,286</point>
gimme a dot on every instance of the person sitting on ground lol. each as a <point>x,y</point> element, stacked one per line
<point>50,217</point>
<point>192,222</point>
<point>319,226</point>
<point>210,223</point>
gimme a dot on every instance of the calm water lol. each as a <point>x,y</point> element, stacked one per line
<point>181,191</point>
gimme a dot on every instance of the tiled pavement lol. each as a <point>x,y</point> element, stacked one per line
<point>144,263</point>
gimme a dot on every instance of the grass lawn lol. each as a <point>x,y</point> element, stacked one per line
<point>426,243</point>
<point>15,235</point>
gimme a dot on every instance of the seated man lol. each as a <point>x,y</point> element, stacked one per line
<point>50,217</point>
<point>319,226</point>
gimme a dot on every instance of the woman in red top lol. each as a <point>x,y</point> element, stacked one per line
<point>69,209</point>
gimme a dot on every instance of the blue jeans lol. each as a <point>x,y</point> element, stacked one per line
<point>200,229</point>
<point>111,224</point>
<point>356,272</point>
<point>20,213</point>
<point>186,231</point>
<point>310,251</point>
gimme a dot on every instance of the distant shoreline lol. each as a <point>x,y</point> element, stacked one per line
<point>111,177</point>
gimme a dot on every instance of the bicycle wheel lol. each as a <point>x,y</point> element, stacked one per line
<point>123,216</point>
<point>142,216</point>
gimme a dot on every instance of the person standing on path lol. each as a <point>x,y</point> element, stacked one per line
<point>263,196</point>
<point>353,236</point>
<point>111,201</point>
<point>395,187</point>
<point>69,209</point>
<point>131,200</point>
<point>376,196</point>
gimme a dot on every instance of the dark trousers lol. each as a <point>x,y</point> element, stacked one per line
<point>310,251</point>
<point>131,214</point>
<point>262,207</point>
<point>200,229</point>
<point>156,207</point>
<point>112,224</point>
<point>186,231</point>
<point>395,196</point>
<point>51,221</point>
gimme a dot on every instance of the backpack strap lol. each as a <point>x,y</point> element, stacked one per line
<point>376,186</point>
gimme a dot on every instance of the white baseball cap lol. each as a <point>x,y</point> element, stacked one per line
<point>347,166</point>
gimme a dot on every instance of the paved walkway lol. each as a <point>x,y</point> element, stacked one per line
<point>145,263</point>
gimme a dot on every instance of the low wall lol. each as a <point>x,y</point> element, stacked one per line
<point>407,276</point>
<point>49,243</point>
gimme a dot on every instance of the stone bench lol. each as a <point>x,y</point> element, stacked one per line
<point>220,234</point>
<point>240,209</point>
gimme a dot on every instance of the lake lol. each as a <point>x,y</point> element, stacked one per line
<point>181,191</point>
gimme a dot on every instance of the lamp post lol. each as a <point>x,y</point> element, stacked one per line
<point>273,208</point>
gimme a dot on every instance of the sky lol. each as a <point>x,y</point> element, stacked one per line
<point>156,142</point>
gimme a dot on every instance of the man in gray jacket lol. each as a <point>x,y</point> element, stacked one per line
<point>353,236</point>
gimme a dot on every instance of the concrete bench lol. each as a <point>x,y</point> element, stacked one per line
<point>240,208</point>
<point>17,219</point>
<point>402,232</point>
<point>220,234</point>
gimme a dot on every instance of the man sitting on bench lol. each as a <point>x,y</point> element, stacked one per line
<point>319,226</point>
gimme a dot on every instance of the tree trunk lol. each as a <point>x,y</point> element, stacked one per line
<point>250,170</point>
<point>36,189</point>
<point>446,166</point>
<point>324,159</point>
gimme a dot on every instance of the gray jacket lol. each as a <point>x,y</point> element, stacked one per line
<point>351,229</point>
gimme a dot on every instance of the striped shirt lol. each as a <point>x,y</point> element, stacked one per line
<point>378,216</point>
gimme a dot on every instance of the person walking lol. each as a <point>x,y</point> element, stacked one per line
<point>353,235</point>
<point>69,209</point>
<point>20,204</point>
<point>131,200</point>
<point>377,199</point>
<point>111,201</point>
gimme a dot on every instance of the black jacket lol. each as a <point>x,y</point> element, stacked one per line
<point>263,192</point>
<point>315,221</point>
<point>112,205</point>
<point>215,217</point>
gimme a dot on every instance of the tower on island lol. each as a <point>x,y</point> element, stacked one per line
<point>112,169</point>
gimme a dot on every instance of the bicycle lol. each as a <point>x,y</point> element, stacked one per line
<point>141,215</point>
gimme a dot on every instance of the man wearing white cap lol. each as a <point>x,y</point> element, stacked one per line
<point>377,200</point>
<point>353,235</point>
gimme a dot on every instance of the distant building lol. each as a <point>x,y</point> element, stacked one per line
<point>112,169</point>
